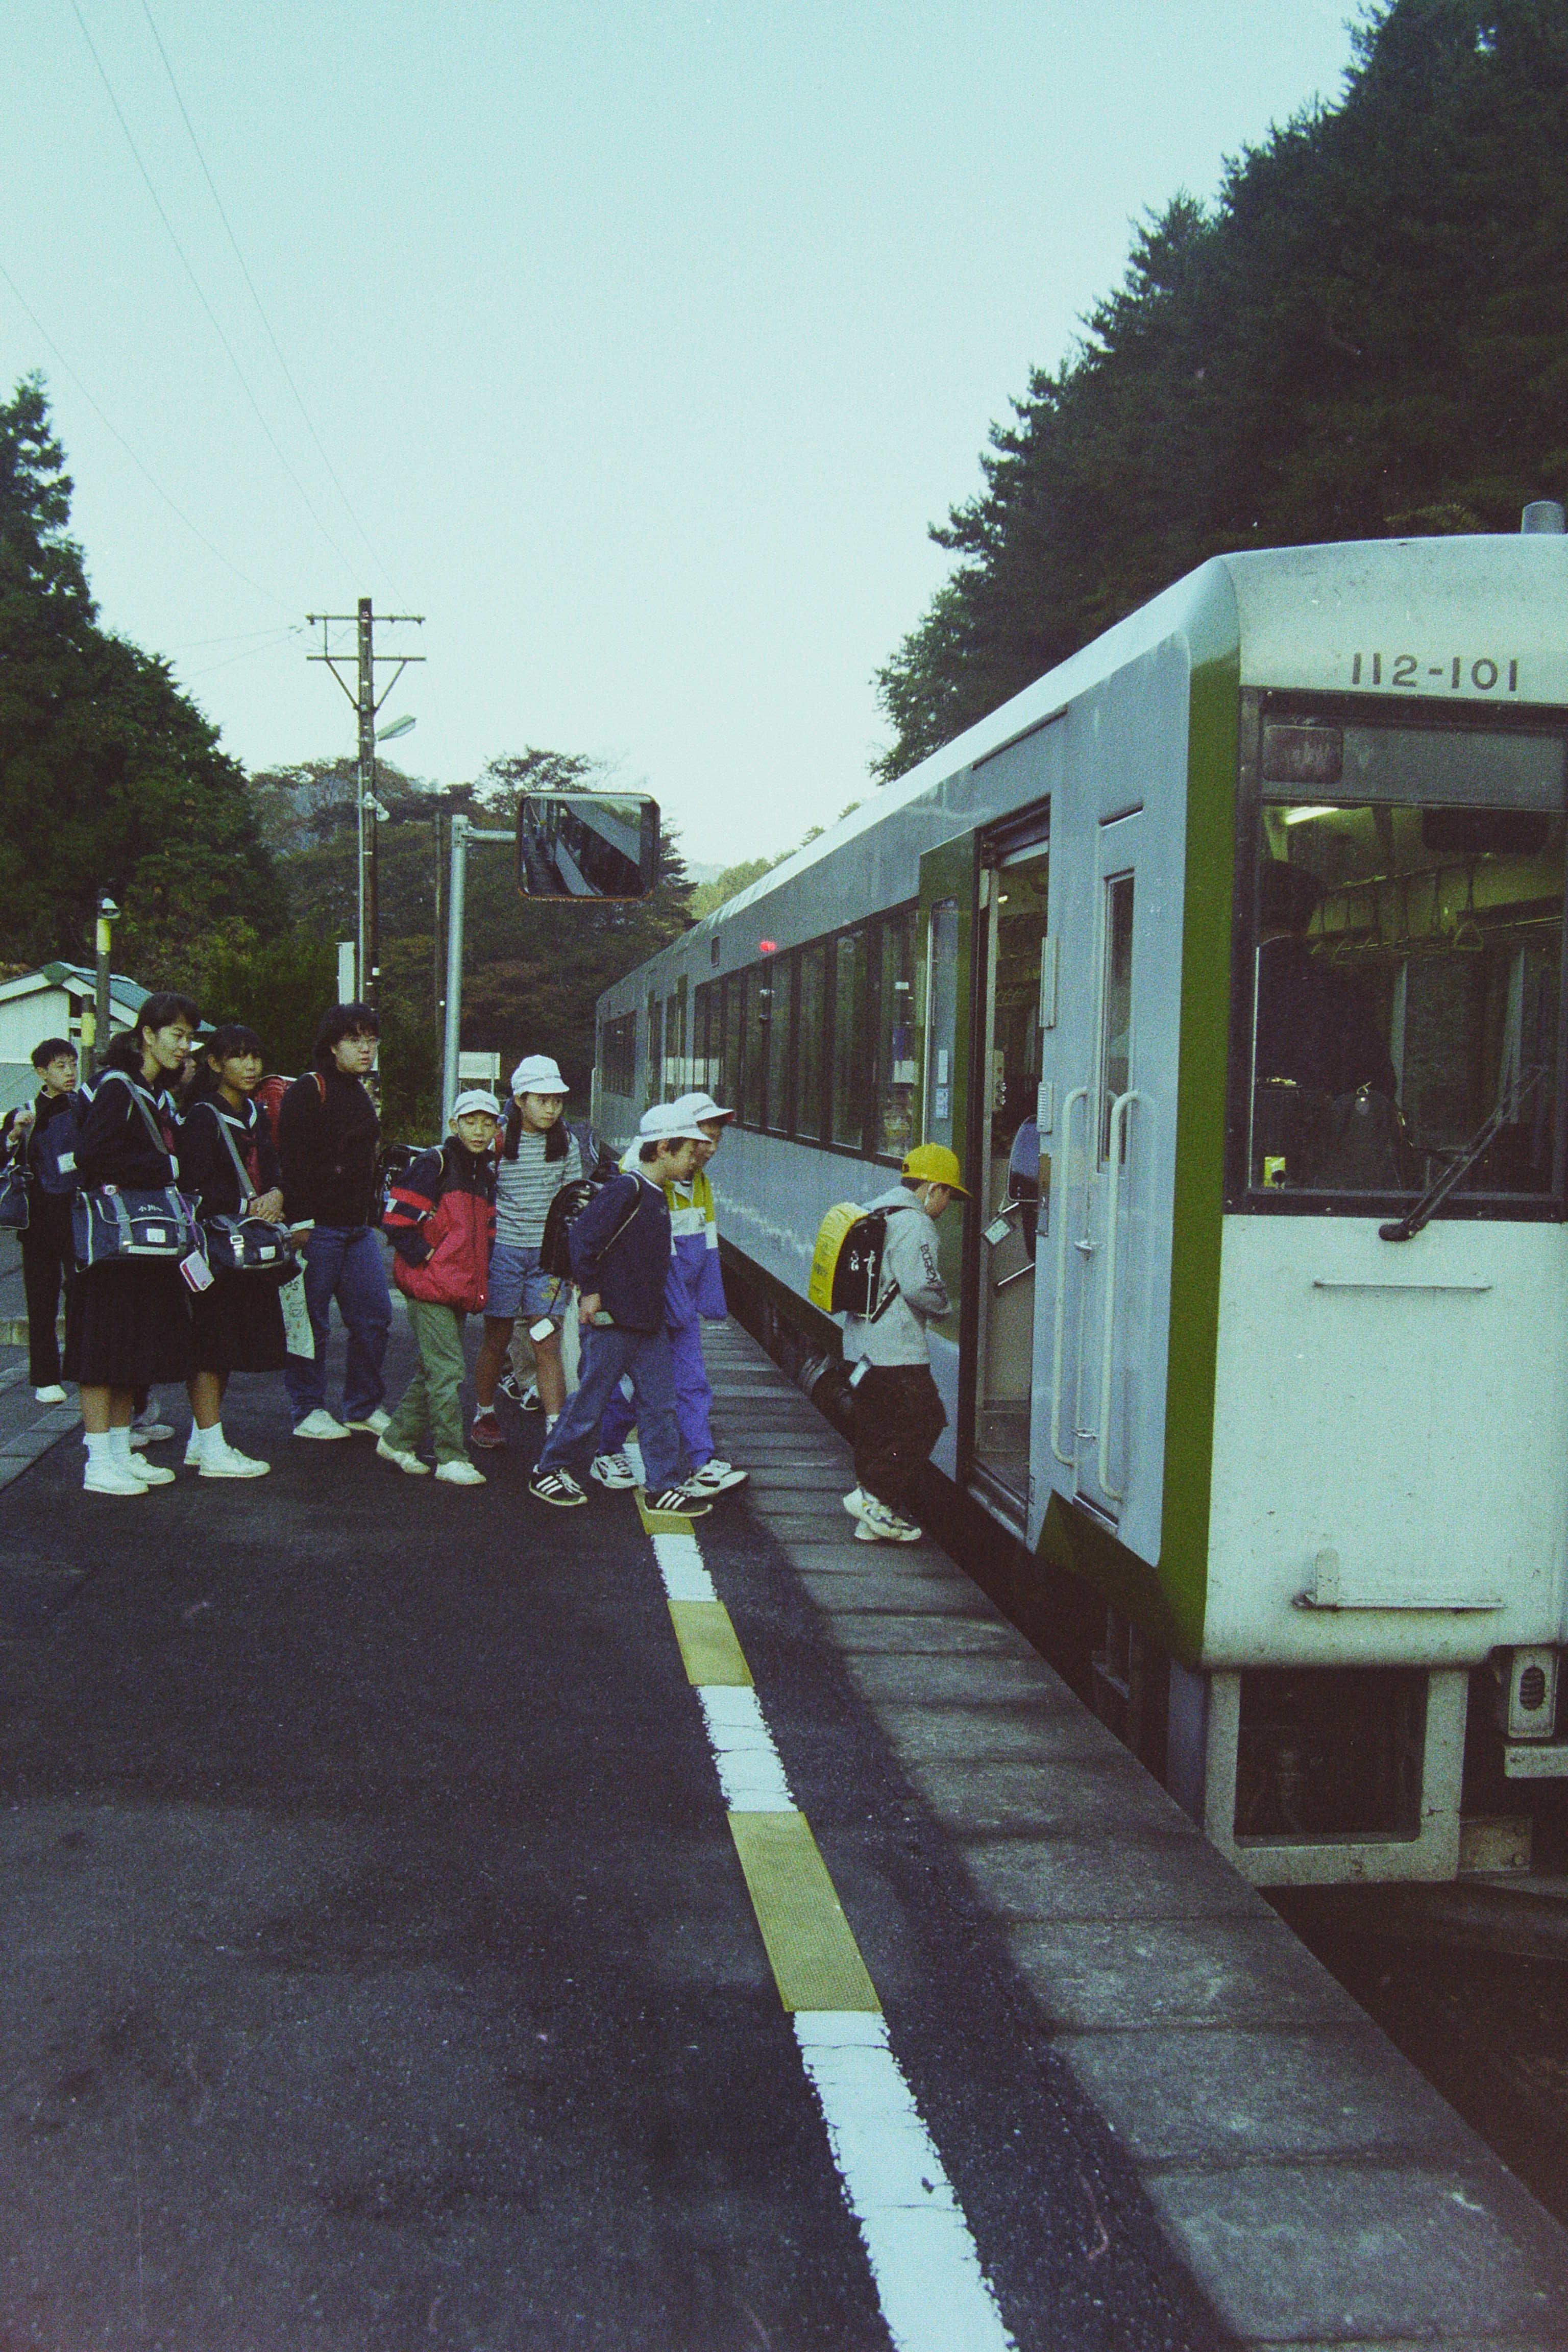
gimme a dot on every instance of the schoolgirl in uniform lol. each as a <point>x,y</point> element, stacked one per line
<point>127,1323</point>
<point>236,1324</point>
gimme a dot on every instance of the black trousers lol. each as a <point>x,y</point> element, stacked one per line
<point>48,1265</point>
<point>898,1420</point>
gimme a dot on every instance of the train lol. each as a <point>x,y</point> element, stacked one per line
<point>1229,957</point>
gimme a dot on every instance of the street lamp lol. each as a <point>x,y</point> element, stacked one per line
<point>104,941</point>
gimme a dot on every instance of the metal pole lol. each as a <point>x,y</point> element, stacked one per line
<point>370,908</point>
<point>104,943</point>
<point>453,961</point>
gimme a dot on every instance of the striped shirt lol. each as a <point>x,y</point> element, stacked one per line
<point>526,1186</point>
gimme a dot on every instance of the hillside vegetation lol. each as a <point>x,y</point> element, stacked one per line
<point>1366,335</point>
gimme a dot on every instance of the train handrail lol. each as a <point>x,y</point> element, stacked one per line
<point>1119,1110</point>
<point>1058,1310</point>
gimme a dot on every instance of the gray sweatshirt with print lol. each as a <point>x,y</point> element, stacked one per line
<point>898,1336</point>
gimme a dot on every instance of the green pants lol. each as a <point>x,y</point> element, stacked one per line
<point>433,1400</point>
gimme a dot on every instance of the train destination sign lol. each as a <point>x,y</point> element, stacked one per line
<point>586,846</point>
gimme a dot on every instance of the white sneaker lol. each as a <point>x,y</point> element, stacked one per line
<point>613,1470</point>
<point>879,1525</point>
<point>150,1433</point>
<point>193,1460</point>
<point>232,1463</point>
<point>409,1464</point>
<point>855,1502</point>
<point>320,1424</point>
<point>148,1473</point>
<point>460,1473</point>
<point>375,1424</point>
<point>716,1478</point>
<point>54,1395</point>
<point>109,1478</point>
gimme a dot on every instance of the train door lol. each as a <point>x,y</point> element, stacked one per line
<point>1018,979</point>
<point>1099,1242</point>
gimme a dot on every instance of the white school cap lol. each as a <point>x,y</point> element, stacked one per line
<point>474,1099</point>
<point>536,1074</point>
<point>697,1106</point>
<point>668,1123</point>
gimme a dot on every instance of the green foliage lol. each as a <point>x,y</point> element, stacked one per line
<point>708,896</point>
<point>110,777</point>
<point>1367,337</point>
<point>279,990</point>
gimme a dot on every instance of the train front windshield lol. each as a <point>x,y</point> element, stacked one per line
<point>1405,960</point>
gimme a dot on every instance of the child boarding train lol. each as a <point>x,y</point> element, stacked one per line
<point>1229,957</point>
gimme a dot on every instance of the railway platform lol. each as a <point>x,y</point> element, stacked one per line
<point>435,1920</point>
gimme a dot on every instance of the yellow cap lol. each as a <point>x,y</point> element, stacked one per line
<point>933,1163</point>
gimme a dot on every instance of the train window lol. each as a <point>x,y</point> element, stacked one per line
<point>652,1077</point>
<point>776,990</point>
<point>809,1032</point>
<point>618,1056</point>
<point>675,1081</point>
<point>894,1041</point>
<point>751,1066</point>
<point>1409,960</point>
<point>942,1028</point>
<point>848,1031</point>
<point>1116,1003</point>
<point>704,1077</point>
<point>729,1046</point>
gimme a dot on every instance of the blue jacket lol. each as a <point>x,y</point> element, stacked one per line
<point>620,1249</point>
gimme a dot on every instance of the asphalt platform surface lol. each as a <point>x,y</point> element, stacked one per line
<point>380,1971</point>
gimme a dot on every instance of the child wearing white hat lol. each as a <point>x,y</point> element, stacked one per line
<point>537,1155</point>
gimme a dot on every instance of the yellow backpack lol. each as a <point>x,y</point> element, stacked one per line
<point>847,1263</point>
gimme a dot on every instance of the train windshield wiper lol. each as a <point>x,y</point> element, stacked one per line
<point>1437,1192</point>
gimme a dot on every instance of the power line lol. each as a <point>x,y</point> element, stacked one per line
<point>206,306</point>
<point>261,313</point>
<point>143,469</point>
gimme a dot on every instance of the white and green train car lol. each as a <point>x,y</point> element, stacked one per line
<point>1219,954</point>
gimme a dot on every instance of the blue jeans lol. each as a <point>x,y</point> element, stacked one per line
<point>344,1262</point>
<point>608,1355</point>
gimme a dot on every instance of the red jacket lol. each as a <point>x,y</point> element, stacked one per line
<point>440,1221</point>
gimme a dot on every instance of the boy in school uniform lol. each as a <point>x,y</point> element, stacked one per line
<point>441,1223</point>
<point>695,1296</point>
<point>49,1252</point>
<point>898,1415</point>
<point>620,1246</point>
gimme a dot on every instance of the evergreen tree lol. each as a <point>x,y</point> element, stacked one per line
<point>110,777</point>
<point>1368,336</point>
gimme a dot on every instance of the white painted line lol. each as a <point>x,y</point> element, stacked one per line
<point>680,1565</point>
<point>933,2293</point>
<point>750,1771</point>
<point>934,2296</point>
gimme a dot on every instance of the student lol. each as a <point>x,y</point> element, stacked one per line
<point>237,1323</point>
<point>898,1412</point>
<point>538,1155</point>
<point>127,1323</point>
<point>695,1295</point>
<point>620,1257</point>
<point>49,1253</point>
<point>327,1134</point>
<point>441,1223</point>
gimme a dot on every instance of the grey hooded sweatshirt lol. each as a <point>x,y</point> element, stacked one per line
<point>910,1267</point>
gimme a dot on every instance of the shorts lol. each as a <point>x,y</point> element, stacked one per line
<point>520,1286</point>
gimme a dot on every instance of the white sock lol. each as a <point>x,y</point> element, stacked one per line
<point>211,1442</point>
<point>120,1446</point>
<point>98,1447</point>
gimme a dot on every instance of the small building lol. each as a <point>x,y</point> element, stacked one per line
<point>50,1003</point>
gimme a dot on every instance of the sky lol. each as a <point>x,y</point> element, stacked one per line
<point>634,345</point>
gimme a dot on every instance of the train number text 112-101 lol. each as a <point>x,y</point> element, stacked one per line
<point>1481,676</point>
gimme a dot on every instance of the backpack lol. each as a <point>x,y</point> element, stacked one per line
<point>555,1245</point>
<point>52,1153</point>
<point>847,1263</point>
